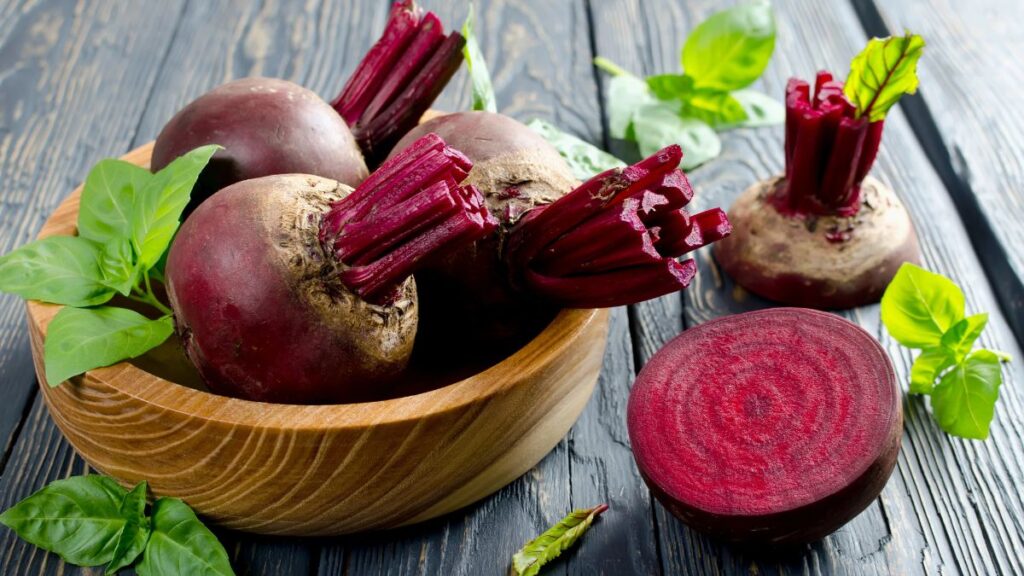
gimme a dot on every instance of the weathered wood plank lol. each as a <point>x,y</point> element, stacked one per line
<point>74,78</point>
<point>942,511</point>
<point>969,124</point>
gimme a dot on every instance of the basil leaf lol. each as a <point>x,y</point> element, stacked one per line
<point>927,367</point>
<point>58,269</point>
<point>883,72</point>
<point>585,159</point>
<point>133,537</point>
<point>105,209</point>
<point>535,554</point>
<point>117,266</point>
<point>964,400</point>
<point>77,518</point>
<point>80,339</point>
<point>960,338</point>
<point>658,125</point>
<point>718,109</point>
<point>180,544</point>
<point>670,86</point>
<point>731,49</point>
<point>760,108</point>
<point>158,207</point>
<point>483,91</point>
<point>626,95</point>
<point>919,306</point>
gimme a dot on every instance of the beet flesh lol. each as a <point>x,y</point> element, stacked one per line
<point>769,427</point>
<point>266,126</point>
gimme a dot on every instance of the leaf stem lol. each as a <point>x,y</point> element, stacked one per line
<point>610,67</point>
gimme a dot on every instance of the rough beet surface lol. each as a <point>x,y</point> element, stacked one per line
<point>775,426</point>
<point>266,126</point>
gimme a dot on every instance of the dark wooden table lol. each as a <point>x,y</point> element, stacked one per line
<point>84,80</point>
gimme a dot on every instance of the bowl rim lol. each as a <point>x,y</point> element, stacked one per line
<point>538,354</point>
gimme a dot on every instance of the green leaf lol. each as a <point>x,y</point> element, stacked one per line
<point>77,518</point>
<point>960,337</point>
<point>718,109</point>
<point>882,73</point>
<point>731,49</point>
<point>658,125</point>
<point>133,537</point>
<point>158,207</point>
<point>760,108</point>
<point>670,86</point>
<point>80,339</point>
<point>626,95</point>
<point>180,544</point>
<point>964,400</point>
<point>58,269</point>
<point>108,197</point>
<point>585,159</point>
<point>117,265</point>
<point>535,554</point>
<point>919,306</point>
<point>927,367</point>
<point>483,91</point>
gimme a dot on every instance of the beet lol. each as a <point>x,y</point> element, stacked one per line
<point>266,126</point>
<point>825,234</point>
<point>292,289</point>
<point>770,427</point>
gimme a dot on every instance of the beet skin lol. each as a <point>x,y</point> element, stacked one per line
<point>769,427</point>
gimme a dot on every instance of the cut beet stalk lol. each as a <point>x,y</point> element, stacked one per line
<point>410,209</point>
<point>772,427</point>
<point>612,241</point>
<point>398,79</point>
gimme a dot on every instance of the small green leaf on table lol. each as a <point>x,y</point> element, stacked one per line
<point>964,400</point>
<point>919,306</point>
<point>180,544</point>
<point>135,534</point>
<point>658,125</point>
<point>731,49</point>
<point>479,75</point>
<point>535,554</point>
<point>585,159</point>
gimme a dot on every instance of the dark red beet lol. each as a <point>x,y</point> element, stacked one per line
<point>266,126</point>
<point>776,426</point>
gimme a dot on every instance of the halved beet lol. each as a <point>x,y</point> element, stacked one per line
<point>775,426</point>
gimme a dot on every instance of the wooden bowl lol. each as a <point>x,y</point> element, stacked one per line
<point>318,470</point>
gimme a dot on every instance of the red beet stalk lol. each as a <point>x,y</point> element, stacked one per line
<point>398,78</point>
<point>407,210</point>
<point>828,149</point>
<point>615,239</point>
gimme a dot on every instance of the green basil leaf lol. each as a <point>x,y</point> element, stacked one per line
<point>760,108</point>
<point>626,95</point>
<point>585,159</point>
<point>928,366</point>
<point>731,49</point>
<point>133,537</point>
<point>108,197</point>
<point>158,207</point>
<point>80,339</point>
<point>58,269</point>
<point>117,265</point>
<point>670,86</point>
<point>882,73</point>
<point>483,90</point>
<point>718,109</point>
<point>77,518</point>
<point>535,554</point>
<point>960,337</point>
<point>964,400</point>
<point>658,125</point>
<point>180,544</point>
<point>919,306</point>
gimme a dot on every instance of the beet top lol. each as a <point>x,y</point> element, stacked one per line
<point>773,426</point>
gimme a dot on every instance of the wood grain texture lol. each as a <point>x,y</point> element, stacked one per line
<point>970,122</point>
<point>942,510</point>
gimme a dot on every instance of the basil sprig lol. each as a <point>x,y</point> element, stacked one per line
<point>926,311</point>
<point>720,59</point>
<point>93,521</point>
<point>544,548</point>
<point>126,219</point>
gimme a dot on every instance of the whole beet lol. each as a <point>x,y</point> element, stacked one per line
<point>266,126</point>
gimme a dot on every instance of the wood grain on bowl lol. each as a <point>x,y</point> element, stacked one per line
<point>332,469</point>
